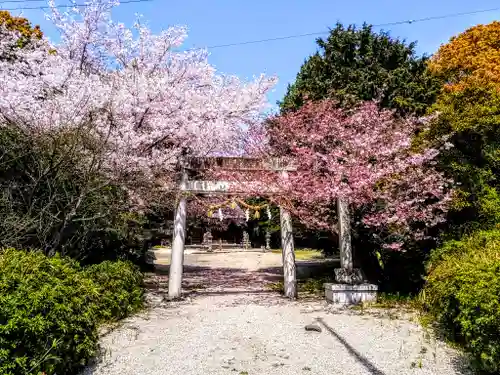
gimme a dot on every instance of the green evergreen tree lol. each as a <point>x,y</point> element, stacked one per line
<point>355,64</point>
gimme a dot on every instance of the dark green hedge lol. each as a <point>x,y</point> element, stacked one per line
<point>50,309</point>
<point>463,295</point>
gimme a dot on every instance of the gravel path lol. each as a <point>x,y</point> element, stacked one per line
<point>234,325</point>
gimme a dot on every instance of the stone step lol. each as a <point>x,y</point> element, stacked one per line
<point>163,254</point>
<point>160,255</point>
<point>161,262</point>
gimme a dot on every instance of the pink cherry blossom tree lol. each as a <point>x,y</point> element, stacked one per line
<point>143,101</point>
<point>362,156</point>
<point>366,158</point>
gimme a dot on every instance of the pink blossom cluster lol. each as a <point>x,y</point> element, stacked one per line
<point>363,156</point>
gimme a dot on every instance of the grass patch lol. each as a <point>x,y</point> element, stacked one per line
<point>314,285</point>
<point>396,300</point>
<point>304,254</point>
<point>310,285</point>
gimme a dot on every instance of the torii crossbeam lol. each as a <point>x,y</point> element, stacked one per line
<point>224,187</point>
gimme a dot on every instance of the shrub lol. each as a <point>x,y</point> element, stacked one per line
<point>52,198</point>
<point>463,295</point>
<point>120,288</point>
<point>47,315</point>
<point>50,309</point>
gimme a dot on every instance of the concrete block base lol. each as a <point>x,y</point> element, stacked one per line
<point>346,294</point>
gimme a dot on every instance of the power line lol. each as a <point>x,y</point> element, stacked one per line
<point>438,17</point>
<point>21,1</point>
<point>432,18</point>
<point>268,40</point>
<point>62,6</point>
<point>295,36</point>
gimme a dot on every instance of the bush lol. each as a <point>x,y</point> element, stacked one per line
<point>54,199</point>
<point>120,291</point>
<point>50,309</point>
<point>463,295</point>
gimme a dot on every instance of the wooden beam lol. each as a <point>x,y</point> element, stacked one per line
<point>224,187</point>
<point>240,164</point>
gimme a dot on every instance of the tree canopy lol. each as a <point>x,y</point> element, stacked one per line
<point>23,30</point>
<point>362,156</point>
<point>470,58</point>
<point>359,64</point>
<point>113,110</point>
<point>19,24</point>
<point>143,103</point>
<point>469,117</point>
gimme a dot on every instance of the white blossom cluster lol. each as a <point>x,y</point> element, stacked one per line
<point>145,102</point>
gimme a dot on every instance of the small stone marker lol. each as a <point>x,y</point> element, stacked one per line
<point>207,241</point>
<point>313,327</point>
<point>246,240</point>
<point>268,240</point>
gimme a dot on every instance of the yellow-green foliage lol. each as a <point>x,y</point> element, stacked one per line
<point>469,115</point>
<point>305,254</point>
<point>470,119</point>
<point>463,294</point>
<point>50,310</point>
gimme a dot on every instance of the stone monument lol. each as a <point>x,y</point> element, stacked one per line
<point>350,287</point>
<point>246,240</point>
<point>207,241</point>
<point>268,240</point>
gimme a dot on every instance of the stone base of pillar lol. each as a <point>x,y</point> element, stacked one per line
<point>346,294</point>
<point>345,276</point>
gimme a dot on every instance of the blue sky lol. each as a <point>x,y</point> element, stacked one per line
<point>216,22</point>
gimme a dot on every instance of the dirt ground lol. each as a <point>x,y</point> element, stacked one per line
<point>242,270</point>
<point>230,322</point>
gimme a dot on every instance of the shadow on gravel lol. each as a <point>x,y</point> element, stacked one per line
<point>199,278</point>
<point>357,355</point>
<point>461,363</point>
<point>230,292</point>
<point>306,269</point>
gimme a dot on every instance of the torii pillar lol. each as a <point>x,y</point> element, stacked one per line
<point>179,236</point>
<point>288,255</point>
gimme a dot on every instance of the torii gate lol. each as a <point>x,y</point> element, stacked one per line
<point>223,187</point>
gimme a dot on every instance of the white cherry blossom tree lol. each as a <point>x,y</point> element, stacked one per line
<point>142,101</point>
